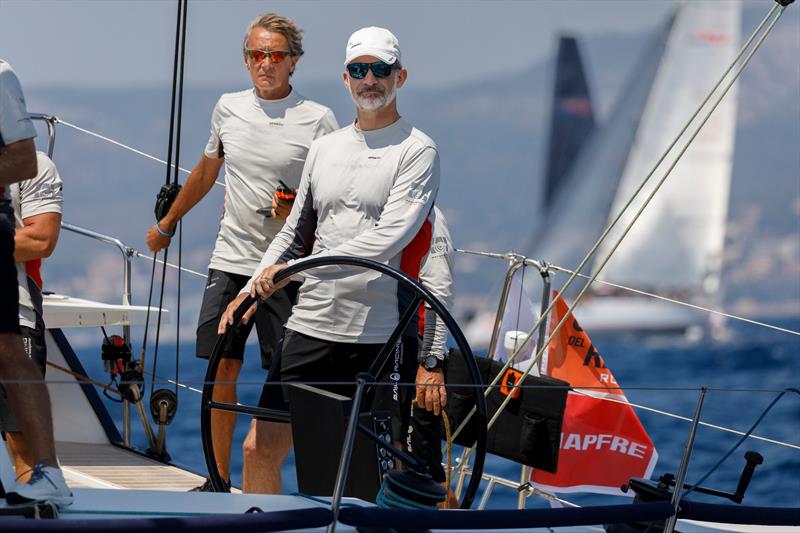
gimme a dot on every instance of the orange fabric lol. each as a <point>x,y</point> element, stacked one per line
<point>573,358</point>
<point>34,270</point>
<point>417,249</point>
<point>603,443</point>
<point>411,261</point>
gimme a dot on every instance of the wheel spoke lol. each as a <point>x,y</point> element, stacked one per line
<point>273,415</point>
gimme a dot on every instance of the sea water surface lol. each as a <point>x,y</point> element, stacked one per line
<point>743,374</point>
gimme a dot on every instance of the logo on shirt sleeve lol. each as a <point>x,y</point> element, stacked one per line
<point>417,195</point>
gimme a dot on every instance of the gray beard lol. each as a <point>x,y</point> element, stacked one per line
<point>366,103</point>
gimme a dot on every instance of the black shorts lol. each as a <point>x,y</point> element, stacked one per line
<point>9,291</point>
<point>269,318</point>
<point>308,359</point>
<point>272,393</point>
<point>35,348</point>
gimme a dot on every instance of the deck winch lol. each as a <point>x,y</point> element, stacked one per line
<point>646,490</point>
<point>119,363</point>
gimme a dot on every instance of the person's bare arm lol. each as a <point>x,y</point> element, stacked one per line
<point>37,238</point>
<point>17,162</point>
<point>196,187</point>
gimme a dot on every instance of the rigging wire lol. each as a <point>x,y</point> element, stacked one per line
<point>187,385</point>
<point>701,423</point>
<point>557,268</point>
<point>678,302</point>
<point>140,255</point>
<point>722,459</point>
<point>124,146</point>
<point>628,227</point>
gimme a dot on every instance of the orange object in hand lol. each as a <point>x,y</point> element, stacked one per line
<point>285,193</point>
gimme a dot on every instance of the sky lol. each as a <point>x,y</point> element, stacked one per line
<point>125,43</point>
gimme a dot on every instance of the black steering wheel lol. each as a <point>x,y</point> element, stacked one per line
<point>420,295</point>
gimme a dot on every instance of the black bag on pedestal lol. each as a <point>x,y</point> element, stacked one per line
<point>528,430</point>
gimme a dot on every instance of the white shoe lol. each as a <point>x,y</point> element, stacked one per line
<point>46,484</point>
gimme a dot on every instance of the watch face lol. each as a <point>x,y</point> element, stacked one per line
<point>431,362</point>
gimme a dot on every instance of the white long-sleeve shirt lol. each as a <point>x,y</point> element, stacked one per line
<point>365,194</point>
<point>436,275</point>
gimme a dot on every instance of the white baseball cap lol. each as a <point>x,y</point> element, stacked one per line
<point>373,41</point>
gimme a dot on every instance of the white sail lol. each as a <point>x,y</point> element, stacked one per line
<point>677,243</point>
<point>578,212</point>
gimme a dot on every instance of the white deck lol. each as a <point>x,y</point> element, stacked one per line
<point>107,466</point>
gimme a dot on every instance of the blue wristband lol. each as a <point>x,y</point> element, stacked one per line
<point>164,233</point>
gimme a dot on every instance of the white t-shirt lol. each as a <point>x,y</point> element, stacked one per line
<point>15,125</point>
<point>364,194</point>
<point>36,196</point>
<point>262,141</point>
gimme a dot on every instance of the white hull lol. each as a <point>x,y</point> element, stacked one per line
<point>634,314</point>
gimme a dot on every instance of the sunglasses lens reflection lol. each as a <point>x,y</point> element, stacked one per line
<point>275,56</point>
<point>359,70</point>
<point>381,69</point>
<point>256,56</point>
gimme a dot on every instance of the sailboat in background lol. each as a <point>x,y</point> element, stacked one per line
<point>675,248</point>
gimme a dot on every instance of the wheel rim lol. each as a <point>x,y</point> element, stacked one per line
<point>421,294</point>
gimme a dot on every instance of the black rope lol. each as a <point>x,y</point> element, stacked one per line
<point>147,316</point>
<point>176,114</point>
<point>178,49</point>
<point>158,319</point>
<point>178,311</point>
<point>175,181</point>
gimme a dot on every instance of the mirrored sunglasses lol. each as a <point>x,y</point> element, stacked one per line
<point>275,56</point>
<point>379,69</point>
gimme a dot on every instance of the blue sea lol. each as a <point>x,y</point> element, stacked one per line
<point>743,375</point>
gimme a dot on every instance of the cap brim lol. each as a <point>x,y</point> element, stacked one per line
<point>383,56</point>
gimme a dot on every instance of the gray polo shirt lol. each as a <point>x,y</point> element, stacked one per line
<point>262,141</point>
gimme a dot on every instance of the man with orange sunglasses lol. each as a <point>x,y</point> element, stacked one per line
<point>262,135</point>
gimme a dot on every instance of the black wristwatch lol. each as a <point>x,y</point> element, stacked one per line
<point>432,362</point>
